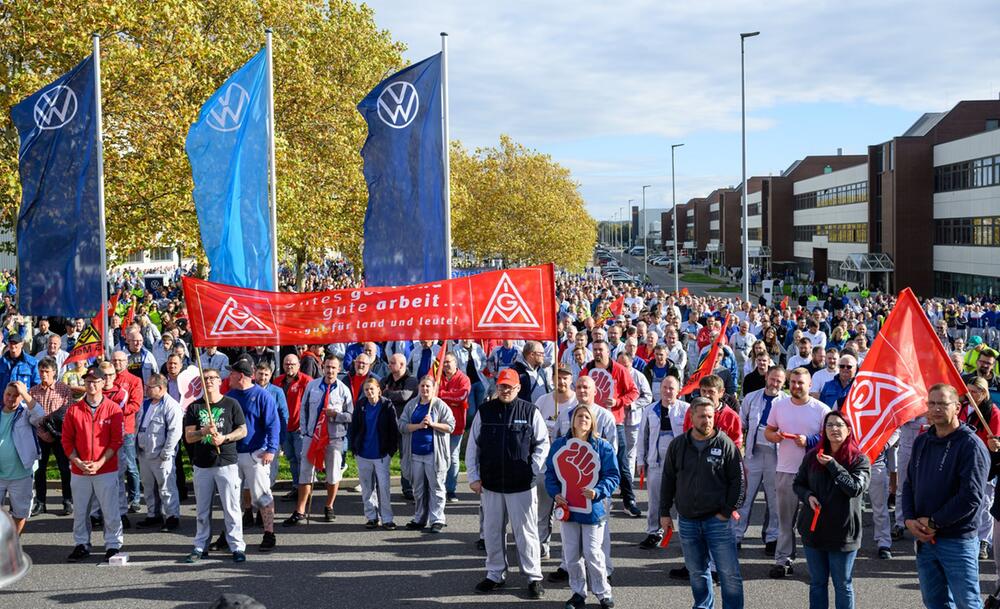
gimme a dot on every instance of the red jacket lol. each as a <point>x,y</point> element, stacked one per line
<point>644,352</point>
<point>90,434</point>
<point>455,393</point>
<point>625,390</point>
<point>727,421</point>
<point>293,395</point>
<point>132,386</point>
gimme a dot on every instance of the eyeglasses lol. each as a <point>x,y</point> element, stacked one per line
<point>846,367</point>
<point>213,379</point>
<point>836,426</point>
<point>931,404</point>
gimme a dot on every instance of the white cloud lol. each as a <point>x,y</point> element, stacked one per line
<point>554,73</point>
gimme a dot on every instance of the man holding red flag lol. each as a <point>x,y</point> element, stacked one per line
<point>324,416</point>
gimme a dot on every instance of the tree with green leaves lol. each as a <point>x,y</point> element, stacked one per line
<point>161,61</point>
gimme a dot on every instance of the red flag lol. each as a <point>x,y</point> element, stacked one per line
<point>317,446</point>
<point>685,292</point>
<point>892,384</point>
<point>129,315</point>
<point>784,303</point>
<point>708,364</point>
<point>90,343</point>
<point>437,366</point>
<point>511,303</point>
<point>612,310</point>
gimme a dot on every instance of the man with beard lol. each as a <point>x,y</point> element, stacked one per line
<point>794,424</point>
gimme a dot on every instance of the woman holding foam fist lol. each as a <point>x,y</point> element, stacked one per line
<point>580,472</point>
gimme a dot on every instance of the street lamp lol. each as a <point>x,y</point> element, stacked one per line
<point>743,194</point>
<point>621,230</point>
<point>645,233</point>
<point>673,189</point>
<point>630,227</point>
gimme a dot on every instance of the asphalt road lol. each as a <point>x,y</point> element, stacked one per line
<point>342,564</point>
<point>663,276</point>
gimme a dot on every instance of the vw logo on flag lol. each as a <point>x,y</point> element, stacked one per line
<point>229,109</point>
<point>398,104</point>
<point>55,107</point>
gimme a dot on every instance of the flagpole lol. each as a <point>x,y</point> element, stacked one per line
<point>100,194</point>
<point>445,152</point>
<point>204,391</point>
<point>270,159</point>
<point>274,177</point>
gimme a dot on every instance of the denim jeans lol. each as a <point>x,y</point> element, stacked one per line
<point>292,447</point>
<point>628,494</point>
<point>949,573</point>
<point>451,480</point>
<point>705,538</point>
<point>131,469</point>
<point>477,395</point>
<point>825,565</point>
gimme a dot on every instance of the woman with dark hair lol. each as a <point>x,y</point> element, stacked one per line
<point>830,483</point>
<point>773,345</point>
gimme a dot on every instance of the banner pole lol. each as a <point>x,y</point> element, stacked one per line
<point>555,345</point>
<point>272,166</point>
<point>99,143</point>
<point>445,152</point>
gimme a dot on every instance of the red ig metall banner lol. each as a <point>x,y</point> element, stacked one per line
<point>512,303</point>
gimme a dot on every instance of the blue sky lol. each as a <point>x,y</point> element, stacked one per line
<point>606,88</point>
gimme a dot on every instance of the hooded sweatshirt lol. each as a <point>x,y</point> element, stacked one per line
<point>945,480</point>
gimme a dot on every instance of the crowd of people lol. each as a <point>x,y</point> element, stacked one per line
<point>766,420</point>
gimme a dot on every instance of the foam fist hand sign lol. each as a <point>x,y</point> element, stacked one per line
<point>190,387</point>
<point>577,467</point>
<point>604,385</point>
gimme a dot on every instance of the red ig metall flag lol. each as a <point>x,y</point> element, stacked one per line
<point>891,388</point>
<point>711,359</point>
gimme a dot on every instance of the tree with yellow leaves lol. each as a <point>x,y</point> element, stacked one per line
<point>518,204</point>
<point>161,61</point>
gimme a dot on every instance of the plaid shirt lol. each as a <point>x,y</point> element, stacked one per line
<point>59,395</point>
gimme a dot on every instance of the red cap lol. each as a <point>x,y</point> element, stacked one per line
<point>508,377</point>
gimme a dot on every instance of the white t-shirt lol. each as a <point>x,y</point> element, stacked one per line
<point>796,361</point>
<point>821,378</point>
<point>805,420</point>
<point>547,407</point>
<point>818,339</point>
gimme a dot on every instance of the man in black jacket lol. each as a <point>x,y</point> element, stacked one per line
<point>508,443</point>
<point>703,479</point>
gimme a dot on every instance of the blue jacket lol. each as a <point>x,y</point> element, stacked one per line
<point>25,369</point>
<point>945,480</point>
<point>262,420</point>
<point>833,393</point>
<point>607,482</point>
<point>282,403</point>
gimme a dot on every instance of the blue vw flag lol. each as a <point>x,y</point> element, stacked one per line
<point>58,226</point>
<point>227,147</point>
<point>405,239</point>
